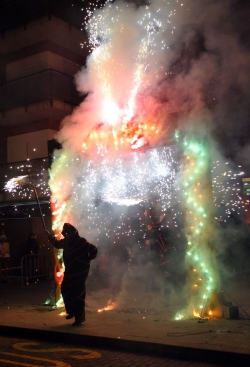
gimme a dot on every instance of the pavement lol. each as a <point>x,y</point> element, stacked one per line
<point>138,324</point>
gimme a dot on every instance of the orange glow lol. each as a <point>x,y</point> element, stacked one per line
<point>59,274</point>
<point>62,313</point>
<point>126,135</point>
<point>108,308</point>
<point>196,314</point>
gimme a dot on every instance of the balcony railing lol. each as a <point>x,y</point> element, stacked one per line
<point>42,86</point>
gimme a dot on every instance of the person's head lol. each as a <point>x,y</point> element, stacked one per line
<point>68,230</point>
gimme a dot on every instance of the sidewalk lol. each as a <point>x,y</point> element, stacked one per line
<point>142,328</point>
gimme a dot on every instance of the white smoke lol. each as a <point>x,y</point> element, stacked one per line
<point>190,58</point>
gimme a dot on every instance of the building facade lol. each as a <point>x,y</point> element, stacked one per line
<point>42,46</point>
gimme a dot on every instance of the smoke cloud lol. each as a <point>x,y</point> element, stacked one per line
<point>151,61</point>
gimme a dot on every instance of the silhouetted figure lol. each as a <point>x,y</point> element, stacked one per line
<point>77,254</point>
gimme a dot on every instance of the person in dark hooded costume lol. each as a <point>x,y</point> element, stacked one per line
<point>77,254</point>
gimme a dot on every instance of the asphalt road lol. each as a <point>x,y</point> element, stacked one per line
<point>34,353</point>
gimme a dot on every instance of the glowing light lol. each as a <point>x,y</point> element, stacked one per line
<point>15,183</point>
<point>196,314</point>
<point>60,302</point>
<point>107,308</point>
<point>122,180</point>
<point>110,113</point>
<point>179,317</point>
<point>63,313</point>
<point>202,259</point>
<point>90,179</point>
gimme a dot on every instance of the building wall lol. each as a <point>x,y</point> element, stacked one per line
<point>3,145</point>
<point>38,61</point>
<point>32,145</point>
<point>41,61</point>
<point>33,115</point>
<point>42,29</point>
<point>2,69</point>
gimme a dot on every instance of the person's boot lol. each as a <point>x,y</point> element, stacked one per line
<point>69,316</point>
<point>79,322</point>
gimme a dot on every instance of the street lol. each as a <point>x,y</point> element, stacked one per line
<point>33,353</point>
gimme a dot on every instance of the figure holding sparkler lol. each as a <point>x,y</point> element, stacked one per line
<point>4,257</point>
<point>77,254</point>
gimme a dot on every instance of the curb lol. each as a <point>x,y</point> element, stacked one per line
<point>161,350</point>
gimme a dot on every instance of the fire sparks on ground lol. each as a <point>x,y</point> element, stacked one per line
<point>196,314</point>
<point>107,308</point>
<point>64,313</point>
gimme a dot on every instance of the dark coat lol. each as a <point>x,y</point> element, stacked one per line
<point>77,252</point>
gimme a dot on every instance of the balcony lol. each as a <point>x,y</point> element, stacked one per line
<point>43,86</point>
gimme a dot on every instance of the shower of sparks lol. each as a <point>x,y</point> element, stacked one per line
<point>227,190</point>
<point>119,108</point>
<point>15,183</point>
<point>22,185</point>
<point>126,180</point>
<point>110,173</point>
<point>148,173</point>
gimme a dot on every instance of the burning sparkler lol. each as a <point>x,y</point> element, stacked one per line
<point>17,183</point>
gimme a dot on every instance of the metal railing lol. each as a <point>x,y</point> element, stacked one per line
<point>35,267</point>
<point>24,91</point>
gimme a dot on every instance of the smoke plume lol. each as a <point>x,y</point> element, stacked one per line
<point>150,62</point>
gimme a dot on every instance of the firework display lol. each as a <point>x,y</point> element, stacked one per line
<point>113,166</point>
<point>20,178</point>
<point>128,180</point>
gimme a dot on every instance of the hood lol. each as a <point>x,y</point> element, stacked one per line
<point>70,230</point>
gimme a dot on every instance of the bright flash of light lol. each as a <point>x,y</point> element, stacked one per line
<point>123,180</point>
<point>60,302</point>
<point>87,186</point>
<point>179,316</point>
<point>63,313</point>
<point>196,314</point>
<point>119,78</point>
<point>15,183</point>
<point>109,307</point>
